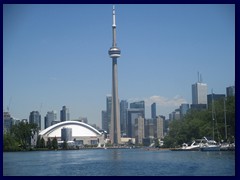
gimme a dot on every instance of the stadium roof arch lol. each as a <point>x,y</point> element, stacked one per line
<point>79,129</point>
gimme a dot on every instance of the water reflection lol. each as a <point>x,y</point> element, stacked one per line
<point>116,155</point>
<point>118,162</point>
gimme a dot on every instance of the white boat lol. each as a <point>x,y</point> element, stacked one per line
<point>209,145</point>
<point>193,147</point>
<point>227,147</point>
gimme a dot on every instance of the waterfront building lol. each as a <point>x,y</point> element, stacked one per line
<point>64,114</point>
<point>35,117</point>
<point>123,116</point>
<point>82,133</point>
<point>230,91</point>
<point>114,53</point>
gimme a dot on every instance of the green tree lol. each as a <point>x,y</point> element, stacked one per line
<point>65,145</point>
<point>49,143</point>
<point>22,132</point>
<point>197,124</point>
<point>38,142</point>
<point>54,143</point>
<point>42,143</point>
<point>9,143</point>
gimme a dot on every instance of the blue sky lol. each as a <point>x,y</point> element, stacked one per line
<point>56,55</point>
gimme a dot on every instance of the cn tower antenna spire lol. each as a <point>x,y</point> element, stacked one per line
<point>114,19</point>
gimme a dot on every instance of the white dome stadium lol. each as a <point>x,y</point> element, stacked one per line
<point>80,132</point>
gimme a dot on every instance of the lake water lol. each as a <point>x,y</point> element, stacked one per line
<point>118,162</point>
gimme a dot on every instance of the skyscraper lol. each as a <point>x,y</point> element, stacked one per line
<point>35,117</point>
<point>159,127</point>
<point>199,93</point>
<point>153,110</point>
<point>109,112</point>
<point>132,115</point>
<point>49,118</point>
<point>230,91</point>
<point>64,114</point>
<point>123,115</point>
<point>183,109</point>
<point>114,53</point>
<point>214,97</point>
<point>139,130</point>
<point>104,120</point>
<point>138,105</point>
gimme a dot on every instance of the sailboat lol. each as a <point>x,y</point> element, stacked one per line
<point>226,146</point>
<point>210,145</point>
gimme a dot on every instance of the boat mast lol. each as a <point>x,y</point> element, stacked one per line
<point>225,118</point>
<point>212,113</point>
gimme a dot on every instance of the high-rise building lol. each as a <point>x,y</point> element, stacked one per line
<point>199,93</point>
<point>7,121</point>
<point>49,118</point>
<point>66,134</point>
<point>150,128</point>
<point>64,114</point>
<point>230,91</point>
<point>214,97</point>
<point>123,116</point>
<point>138,105</point>
<point>139,130</point>
<point>153,110</point>
<point>159,127</point>
<point>114,53</point>
<point>109,112</point>
<point>104,121</point>
<point>176,114</point>
<point>132,115</point>
<point>183,109</point>
<point>35,117</point>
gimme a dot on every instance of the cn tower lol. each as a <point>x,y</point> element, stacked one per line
<point>114,53</point>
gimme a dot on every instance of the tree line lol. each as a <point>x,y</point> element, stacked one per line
<point>20,135</point>
<point>197,124</point>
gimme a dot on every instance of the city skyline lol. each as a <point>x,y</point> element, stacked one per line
<point>48,56</point>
